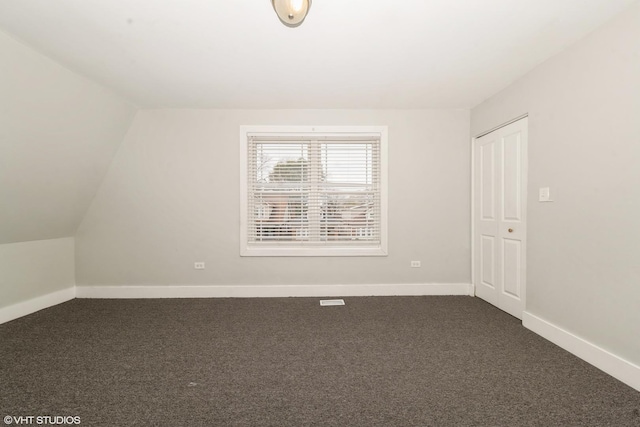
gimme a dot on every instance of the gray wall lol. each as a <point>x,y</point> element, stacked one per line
<point>58,134</point>
<point>584,143</point>
<point>171,197</point>
<point>33,269</point>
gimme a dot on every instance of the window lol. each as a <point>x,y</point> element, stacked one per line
<point>313,191</point>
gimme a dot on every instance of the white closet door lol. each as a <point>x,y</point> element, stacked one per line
<point>500,228</point>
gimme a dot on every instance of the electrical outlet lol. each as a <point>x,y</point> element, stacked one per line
<point>198,265</point>
<point>415,264</point>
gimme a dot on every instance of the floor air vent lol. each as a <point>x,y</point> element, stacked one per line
<point>325,302</point>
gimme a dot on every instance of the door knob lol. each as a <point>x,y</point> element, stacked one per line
<point>511,230</point>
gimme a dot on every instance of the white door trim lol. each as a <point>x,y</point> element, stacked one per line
<point>481,134</point>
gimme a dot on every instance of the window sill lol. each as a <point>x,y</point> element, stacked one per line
<point>311,251</point>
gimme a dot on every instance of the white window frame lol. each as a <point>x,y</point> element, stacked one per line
<point>325,249</point>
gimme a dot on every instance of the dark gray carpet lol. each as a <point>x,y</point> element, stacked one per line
<point>378,361</point>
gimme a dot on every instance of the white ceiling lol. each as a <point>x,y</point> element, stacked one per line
<point>347,54</point>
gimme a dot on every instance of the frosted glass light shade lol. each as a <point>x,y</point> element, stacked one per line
<point>291,12</point>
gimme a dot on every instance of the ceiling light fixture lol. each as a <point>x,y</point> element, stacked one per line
<point>291,12</point>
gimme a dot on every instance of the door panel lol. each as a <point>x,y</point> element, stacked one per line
<point>488,180</point>
<point>500,180</point>
<point>511,177</point>
<point>511,251</point>
<point>488,207</point>
<point>488,261</point>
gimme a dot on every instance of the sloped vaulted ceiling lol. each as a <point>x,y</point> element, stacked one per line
<point>347,54</point>
<point>59,130</point>
<point>58,134</point>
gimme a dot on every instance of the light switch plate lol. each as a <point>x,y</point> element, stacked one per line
<point>544,194</point>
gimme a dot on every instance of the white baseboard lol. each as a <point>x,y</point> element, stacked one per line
<point>20,309</point>
<point>613,365</point>
<point>267,291</point>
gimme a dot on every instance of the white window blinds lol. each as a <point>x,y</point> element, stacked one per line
<point>321,191</point>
